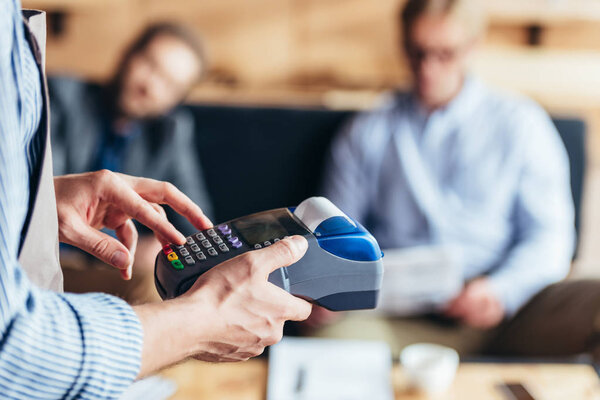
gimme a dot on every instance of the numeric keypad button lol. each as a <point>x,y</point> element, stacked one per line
<point>223,247</point>
<point>189,260</point>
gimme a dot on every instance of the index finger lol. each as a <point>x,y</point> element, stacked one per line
<point>120,194</point>
<point>166,193</point>
<point>294,308</point>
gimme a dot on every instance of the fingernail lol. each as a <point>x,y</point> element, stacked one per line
<point>126,273</point>
<point>182,238</point>
<point>119,259</point>
<point>299,242</point>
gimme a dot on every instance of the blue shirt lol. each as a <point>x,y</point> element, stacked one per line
<point>51,345</point>
<point>487,176</point>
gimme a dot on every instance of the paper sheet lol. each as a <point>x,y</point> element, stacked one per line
<point>315,210</point>
<point>151,388</point>
<point>328,369</point>
<point>419,280</point>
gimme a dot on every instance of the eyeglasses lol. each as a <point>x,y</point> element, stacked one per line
<point>441,55</point>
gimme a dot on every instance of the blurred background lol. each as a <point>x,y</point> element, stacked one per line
<point>343,54</point>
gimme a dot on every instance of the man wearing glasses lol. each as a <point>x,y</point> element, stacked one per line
<point>485,174</point>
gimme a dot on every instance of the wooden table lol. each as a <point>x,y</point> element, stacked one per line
<point>247,381</point>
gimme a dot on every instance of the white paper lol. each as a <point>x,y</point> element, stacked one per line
<point>315,210</point>
<point>151,388</point>
<point>329,369</point>
<point>419,280</point>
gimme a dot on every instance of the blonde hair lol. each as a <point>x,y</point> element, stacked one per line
<point>469,12</point>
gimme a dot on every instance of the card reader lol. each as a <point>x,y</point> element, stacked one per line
<point>341,270</point>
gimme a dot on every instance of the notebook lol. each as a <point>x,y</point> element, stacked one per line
<point>329,369</point>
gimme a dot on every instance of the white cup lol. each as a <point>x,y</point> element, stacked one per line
<point>430,367</point>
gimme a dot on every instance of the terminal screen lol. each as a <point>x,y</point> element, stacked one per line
<point>260,228</point>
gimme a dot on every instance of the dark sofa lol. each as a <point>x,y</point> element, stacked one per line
<point>257,158</point>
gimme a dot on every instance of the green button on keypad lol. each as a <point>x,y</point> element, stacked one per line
<point>177,264</point>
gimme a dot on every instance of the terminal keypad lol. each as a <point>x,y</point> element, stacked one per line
<point>211,242</point>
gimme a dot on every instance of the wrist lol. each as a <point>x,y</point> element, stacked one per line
<point>172,332</point>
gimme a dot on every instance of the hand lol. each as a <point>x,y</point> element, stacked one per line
<point>477,305</point>
<point>92,201</point>
<point>245,311</point>
<point>230,314</point>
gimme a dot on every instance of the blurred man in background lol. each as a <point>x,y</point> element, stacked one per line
<point>132,125</point>
<point>456,164</point>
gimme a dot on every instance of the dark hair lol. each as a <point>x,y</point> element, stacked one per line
<point>470,10</point>
<point>153,31</point>
<point>177,31</point>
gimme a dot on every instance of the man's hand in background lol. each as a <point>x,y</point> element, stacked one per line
<point>477,305</point>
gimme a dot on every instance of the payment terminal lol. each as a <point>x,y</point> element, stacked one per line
<point>341,270</point>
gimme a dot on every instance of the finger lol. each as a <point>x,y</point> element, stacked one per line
<point>297,309</point>
<point>128,235</point>
<point>120,194</point>
<point>100,245</point>
<point>163,241</point>
<point>166,193</point>
<point>159,209</point>
<point>456,307</point>
<point>290,307</point>
<point>281,254</point>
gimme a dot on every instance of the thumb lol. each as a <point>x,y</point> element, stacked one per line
<point>102,246</point>
<point>281,254</point>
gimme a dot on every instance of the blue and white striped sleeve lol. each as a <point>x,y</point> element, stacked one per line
<point>52,346</point>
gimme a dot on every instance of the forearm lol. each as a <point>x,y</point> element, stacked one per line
<point>68,346</point>
<point>168,333</point>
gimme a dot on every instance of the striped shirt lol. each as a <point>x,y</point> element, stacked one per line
<point>52,346</point>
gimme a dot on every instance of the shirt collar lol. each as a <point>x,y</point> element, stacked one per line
<point>460,107</point>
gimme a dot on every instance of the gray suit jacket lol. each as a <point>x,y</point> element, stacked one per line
<point>165,149</point>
